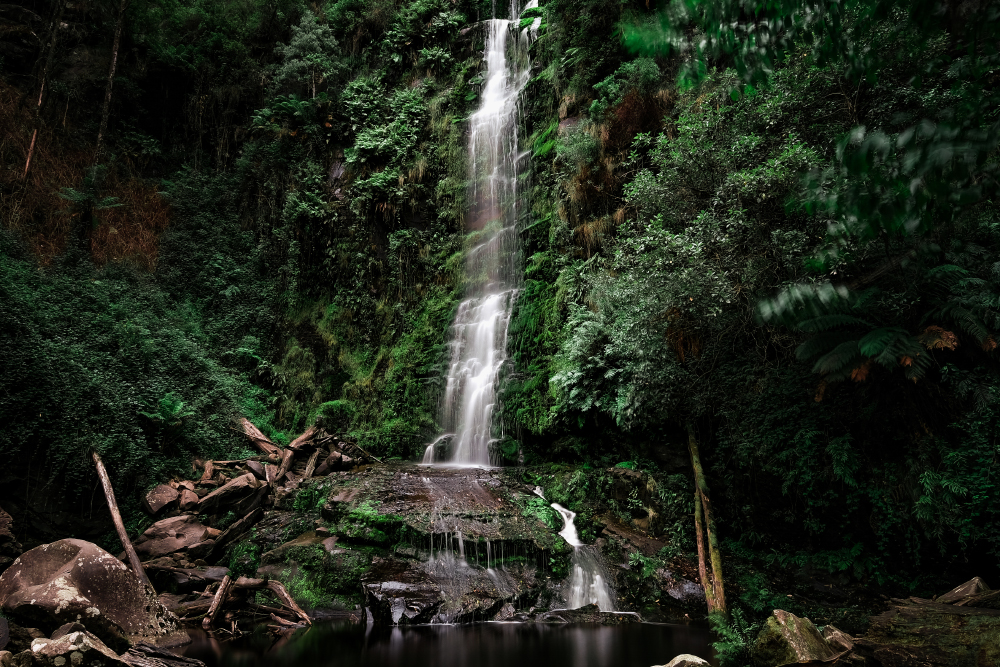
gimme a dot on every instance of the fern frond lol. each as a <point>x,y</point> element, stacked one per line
<point>875,342</point>
<point>830,321</point>
<point>822,343</point>
<point>962,318</point>
<point>839,360</point>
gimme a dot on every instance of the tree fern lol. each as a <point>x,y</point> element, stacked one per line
<point>838,363</point>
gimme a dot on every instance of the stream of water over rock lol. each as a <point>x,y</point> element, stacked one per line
<point>589,582</point>
<point>479,333</point>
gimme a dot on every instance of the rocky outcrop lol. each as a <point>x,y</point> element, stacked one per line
<point>400,593</point>
<point>787,639</point>
<point>76,581</point>
<point>588,614</point>
<point>10,548</point>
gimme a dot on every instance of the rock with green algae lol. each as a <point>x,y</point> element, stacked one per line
<point>787,639</point>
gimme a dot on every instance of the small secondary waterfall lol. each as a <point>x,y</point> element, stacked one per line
<point>588,584</point>
<point>479,334</point>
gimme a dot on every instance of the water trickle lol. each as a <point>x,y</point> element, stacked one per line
<point>479,333</point>
<point>588,584</point>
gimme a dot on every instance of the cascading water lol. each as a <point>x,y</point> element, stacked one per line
<point>479,334</point>
<point>588,584</point>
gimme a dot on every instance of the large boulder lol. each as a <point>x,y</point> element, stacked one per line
<point>233,495</point>
<point>170,535</point>
<point>75,581</point>
<point>159,497</point>
<point>787,639</point>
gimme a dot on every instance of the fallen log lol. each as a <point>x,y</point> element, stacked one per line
<point>116,517</point>
<point>285,465</point>
<point>279,590</point>
<point>286,623</point>
<point>299,442</point>
<point>147,655</point>
<point>262,442</point>
<point>932,635</point>
<point>220,597</point>
<point>311,465</point>
<point>238,528</point>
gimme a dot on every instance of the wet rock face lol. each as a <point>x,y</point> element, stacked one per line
<point>400,593</point>
<point>76,581</point>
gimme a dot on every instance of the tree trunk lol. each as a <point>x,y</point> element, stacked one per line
<point>217,602</point>
<point>715,556</point>
<point>44,77</point>
<point>106,110</point>
<point>700,539</point>
<point>116,517</point>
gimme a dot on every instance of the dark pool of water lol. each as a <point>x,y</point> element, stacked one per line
<point>474,645</point>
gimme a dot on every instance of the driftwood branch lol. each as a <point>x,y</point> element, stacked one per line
<point>220,597</point>
<point>116,517</point>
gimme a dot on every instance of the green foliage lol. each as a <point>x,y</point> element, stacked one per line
<point>244,559</point>
<point>310,57</point>
<point>539,510</point>
<point>169,411</point>
<point>640,76</point>
<point>736,637</point>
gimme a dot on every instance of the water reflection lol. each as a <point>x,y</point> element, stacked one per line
<point>474,645</point>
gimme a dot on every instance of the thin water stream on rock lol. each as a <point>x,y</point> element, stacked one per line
<point>589,582</point>
<point>479,333</point>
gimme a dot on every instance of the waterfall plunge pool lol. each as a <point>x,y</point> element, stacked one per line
<point>343,643</point>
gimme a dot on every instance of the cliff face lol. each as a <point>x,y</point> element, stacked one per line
<point>789,257</point>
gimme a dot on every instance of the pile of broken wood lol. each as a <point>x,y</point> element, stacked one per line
<point>178,551</point>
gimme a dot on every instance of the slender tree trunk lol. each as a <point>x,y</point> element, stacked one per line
<point>700,539</point>
<point>116,517</point>
<point>43,80</point>
<point>715,556</point>
<point>106,110</point>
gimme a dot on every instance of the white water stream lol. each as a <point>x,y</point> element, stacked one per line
<point>479,334</point>
<point>588,584</point>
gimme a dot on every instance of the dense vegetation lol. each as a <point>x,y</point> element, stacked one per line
<point>772,226</point>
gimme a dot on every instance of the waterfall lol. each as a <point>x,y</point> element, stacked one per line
<point>588,583</point>
<point>478,342</point>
